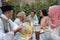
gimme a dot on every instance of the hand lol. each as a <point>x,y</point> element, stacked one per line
<point>43,28</point>
<point>46,30</point>
<point>18,29</point>
<point>53,26</point>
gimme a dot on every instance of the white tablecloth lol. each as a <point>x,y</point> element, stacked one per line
<point>43,36</point>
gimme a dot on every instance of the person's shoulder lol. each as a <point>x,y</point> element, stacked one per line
<point>35,15</point>
<point>46,17</point>
<point>17,19</point>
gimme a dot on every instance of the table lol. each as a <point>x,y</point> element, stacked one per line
<point>43,36</point>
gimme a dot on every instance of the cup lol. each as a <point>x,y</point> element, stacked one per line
<point>37,31</point>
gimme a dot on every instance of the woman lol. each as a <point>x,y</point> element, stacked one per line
<point>44,24</point>
<point>54,14</point>
<point>43,21</point>
<point>20,18</point>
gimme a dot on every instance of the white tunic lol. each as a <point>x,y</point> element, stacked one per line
<point>9,35</point>
<point>17,21</point>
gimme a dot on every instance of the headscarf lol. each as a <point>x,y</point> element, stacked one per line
<point>21,13</point>
<point>54,14</point>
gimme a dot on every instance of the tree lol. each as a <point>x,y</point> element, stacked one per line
<point>34,6</point>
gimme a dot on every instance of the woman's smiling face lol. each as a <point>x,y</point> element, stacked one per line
<point>41,14</point>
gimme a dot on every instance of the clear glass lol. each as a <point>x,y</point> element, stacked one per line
<point>36,27</point>
<point>37,31</point>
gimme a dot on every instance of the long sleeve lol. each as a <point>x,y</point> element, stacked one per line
<point>14,25</point>
<point>3,35</point>
<point>17,21</point>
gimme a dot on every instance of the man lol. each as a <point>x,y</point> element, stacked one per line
<point>33,16</point>
<point>7,27</point>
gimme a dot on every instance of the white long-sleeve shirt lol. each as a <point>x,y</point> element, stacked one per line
<point>10,34</point>
<point>17,21</point>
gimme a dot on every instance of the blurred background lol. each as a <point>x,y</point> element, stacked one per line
<point>28,5</point>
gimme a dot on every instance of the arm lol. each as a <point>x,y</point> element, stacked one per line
<point>17,21</point>
<point>15,27</point>
<point>44,23</point>
<point>3,35</point>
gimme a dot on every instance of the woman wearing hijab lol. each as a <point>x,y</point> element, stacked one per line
<point>20,18</point>
<point>54,14</point>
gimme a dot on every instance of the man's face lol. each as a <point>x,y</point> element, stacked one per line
<point>32,13</point>
<point>9,14</point>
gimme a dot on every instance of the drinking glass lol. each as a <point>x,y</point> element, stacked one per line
<point>37,31</point>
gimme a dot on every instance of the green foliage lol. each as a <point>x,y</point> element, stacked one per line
<point>34,6</point>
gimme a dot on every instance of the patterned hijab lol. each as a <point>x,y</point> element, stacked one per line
<point>54,14</point>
